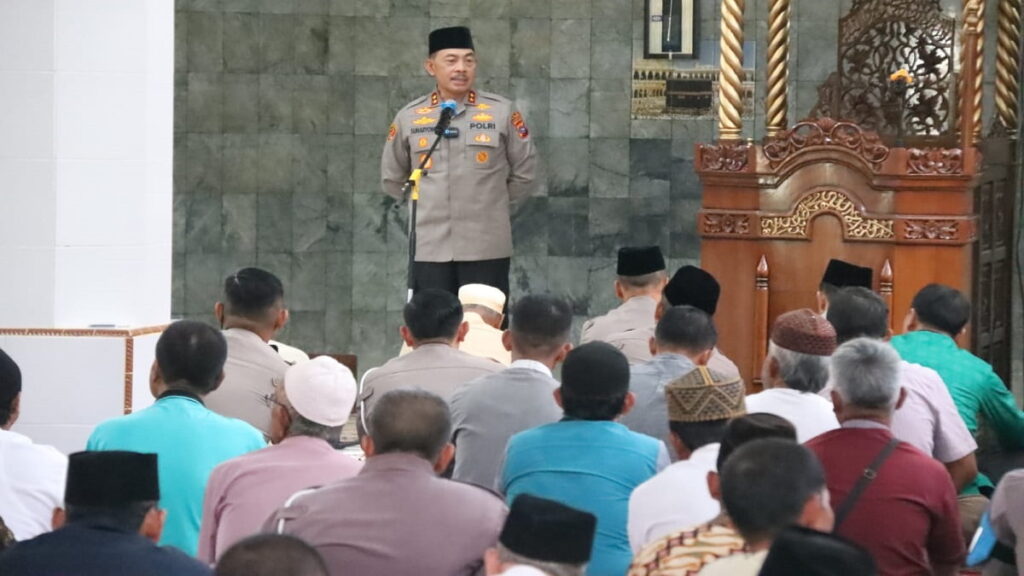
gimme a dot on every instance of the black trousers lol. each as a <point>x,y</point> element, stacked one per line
<point>451,276</point>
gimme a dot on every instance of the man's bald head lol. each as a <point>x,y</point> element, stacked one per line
<point>410,420</point>
<point>271,555</point>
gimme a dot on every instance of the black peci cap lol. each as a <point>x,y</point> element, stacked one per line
<point>692,286</point>
<point>455,37</point>
<point>111,478</point>
<point>548,531</point>
<point>841,274</point>
<point>639,260</point>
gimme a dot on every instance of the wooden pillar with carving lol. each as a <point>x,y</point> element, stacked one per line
<point>730,77</point>
<point>776,100</point>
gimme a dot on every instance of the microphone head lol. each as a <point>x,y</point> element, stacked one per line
<point>449,105</point>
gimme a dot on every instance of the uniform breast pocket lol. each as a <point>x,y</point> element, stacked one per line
<point>482,149</point>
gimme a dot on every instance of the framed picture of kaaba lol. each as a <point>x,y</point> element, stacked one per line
<point>670,29</point>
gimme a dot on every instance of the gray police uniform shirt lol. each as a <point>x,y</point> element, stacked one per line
<point>647,382</point>
<point>472,177</point>
<point>436,367</point>
<point>249,374</point>
<point>488,411</point>
<point>628,327</point>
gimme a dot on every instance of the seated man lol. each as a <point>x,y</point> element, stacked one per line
<point>433,328</point>
<point>190,439</point>
<point>1007,518</point>
<point>396,517</point>
<point>684,338</point>
<point>928,419</point>
<point>545,535</point>
<point>108,525</point>
<point>482,307</point>
<point>700,404</point>
<point>938,314</point>
<point>33,474</point>
<point>685,552</point>
<point>486,412</point>
<point>587,460</point>
<point>691,286</point>
<point>809,552</point>
<point>766,486</point>
<point>840,274</point>
<point>907,517</point>
<point>310,408</point>
<point>640,277</point>
<point>252,312</point>
<point>271,555</point>
<point>795,371</point>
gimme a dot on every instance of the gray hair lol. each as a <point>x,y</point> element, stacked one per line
<point>302,426</point>
<point>552,568</point>
<point>799,371</point>
<point>867,374</point>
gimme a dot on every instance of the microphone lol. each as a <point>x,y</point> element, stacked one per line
<point>447,111</point>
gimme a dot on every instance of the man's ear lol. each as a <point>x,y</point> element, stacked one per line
<point>428,65</point>
<point>506,340</point>
<point>681,449</point>
<point>58,519</point>
<point>492,563</point>
<point>15,411</point>
<point>153,524</point>
<point>562,353</point>
<point>714,485</point>
<point>837,402</point>
<point>704,357</point>
<point>154,379</point>
<point>822,301</point>
<point>888,334</point>
<point>817,513</point>
<point>901,398</point>
<point>558,397</point>
<point>218,313</point>
<point>659,310</point>
<point>773,367</point>
<point>628,403</point>
<point>220,380</point>
<point>406,335</point>
<point>910,321</point>
<point>652,345</point>
<point>460,336</point>
<point>620,293</point>
<point>281,320</point>
<point>444,458</point>
<point>366,443</point>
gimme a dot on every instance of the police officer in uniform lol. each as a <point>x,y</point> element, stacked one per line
<point>485,163</point>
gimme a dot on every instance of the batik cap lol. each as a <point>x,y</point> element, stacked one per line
<point>704,395</point>
<point>805,332</point>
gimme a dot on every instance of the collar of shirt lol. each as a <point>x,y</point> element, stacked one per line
<point>531,365</point>
<point>706,454</point>
<point>177,396</point>
<point>397,462</point>
<point>12,437</point>
<point>306,443</point>
<point>172,393</point>
<point>249,335</point>
<point>673,358</point>
<point>643,303</point>
<point>868,424</point>
<point>930,338</point>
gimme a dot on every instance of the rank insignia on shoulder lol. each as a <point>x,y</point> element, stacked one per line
<point>520,125</point>
<point>483,117</point>
<point>481,157</point>
<point>434,99</point>
<point>424,110</point>
<point>423,120</point>
<point>392,132</point>
<point>482,138</point>
<point>471,98</point>
<point>482,106</point>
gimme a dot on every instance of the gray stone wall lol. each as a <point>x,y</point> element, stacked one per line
<point>281,108</point>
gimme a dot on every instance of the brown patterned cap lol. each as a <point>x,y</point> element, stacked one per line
<point>804,331</point>
<point>703,395</point>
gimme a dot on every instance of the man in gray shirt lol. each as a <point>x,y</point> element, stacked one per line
<point>486,412</point>
<point>684,339</point>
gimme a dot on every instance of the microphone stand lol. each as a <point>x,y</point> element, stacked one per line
<point>411,191</point>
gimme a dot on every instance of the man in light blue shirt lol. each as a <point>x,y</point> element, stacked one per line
<point>587,460</point>
<point>189,439</point>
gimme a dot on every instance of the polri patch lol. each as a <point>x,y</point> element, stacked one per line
<point>392,132</point>
<point>520,125</point>
<point>482,126</point>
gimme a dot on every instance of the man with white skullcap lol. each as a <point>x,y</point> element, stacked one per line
<point>310,407</point>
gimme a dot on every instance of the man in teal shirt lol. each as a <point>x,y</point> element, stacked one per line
<point>587,460</point>
<point>189,439</point>
<point>937,315</point>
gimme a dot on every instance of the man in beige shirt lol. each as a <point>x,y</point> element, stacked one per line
<point>639,282</point>
<point>433,328</point>
<point>482,307</point>
<point>252,312</point>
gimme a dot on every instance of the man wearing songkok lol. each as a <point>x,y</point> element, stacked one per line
<point>433,329</point>
<point>310,407</point>
<point>795,371</point>
<point>939,314</point>
<point>640,277</point>
<point>271,555</point>
<point>482,307</point>
<point>840,274</point>
<point>543,534</point>
<point>396,517</point>
<point>904,511</point>
<point>108,526</point>
<point>486,412</point>
<point>684,338</point>
<point>809,552</point>
<point>685,552</point>
<point>587,460</point>
<point>251,313</point>
<point>700,404</point>
<point>33,474</point>
<point>482,168</point>
<point>692,286</point>
<point>190,439</point>
<point>928,419</point>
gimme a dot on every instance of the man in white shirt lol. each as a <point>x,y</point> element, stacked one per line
<point>928,418</point>
<point>31,476</point>
<point>795,371</point>
<point>700,404</point>
<point>251,314</point>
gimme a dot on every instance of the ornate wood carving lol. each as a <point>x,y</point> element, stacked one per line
<point>826,132</point>
<point>1008,64</point>
<point>885,289</point>
<point>878,37</point>
<point>761,321</point>
<point>857,226</point>
<point>725,156</point>
<point>931,229</point>
<point>727,224</point>
<point>931,161</point>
